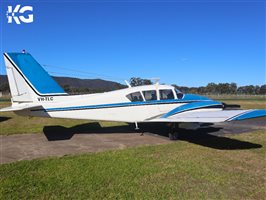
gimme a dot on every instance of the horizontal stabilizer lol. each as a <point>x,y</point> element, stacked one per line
<point>18,108</point>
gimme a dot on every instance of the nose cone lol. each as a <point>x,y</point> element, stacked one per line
<point>194,97</point>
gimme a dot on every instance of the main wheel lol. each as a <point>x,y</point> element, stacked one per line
<point>173,136</point>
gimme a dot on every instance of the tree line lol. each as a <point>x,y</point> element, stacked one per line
<point>211,88</point>
<point>225,88</point>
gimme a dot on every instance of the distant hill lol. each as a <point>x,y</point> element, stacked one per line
<point>75,85</point>
<point>94,84</point>
<point>3,79</point>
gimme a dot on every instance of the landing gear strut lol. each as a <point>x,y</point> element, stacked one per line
<point>138,129</point>
<point>173,134</point>
<point>136,126</point>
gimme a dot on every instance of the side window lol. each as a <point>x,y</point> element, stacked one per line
<point>179,94</point>
<point>150,95</point>
<point>166,94</point>
<point>136,96</point>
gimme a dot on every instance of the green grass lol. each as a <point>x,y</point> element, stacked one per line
<point>246,101</point>
<point>238,97</point>
<point>179,170</point>
<point>247,104</point>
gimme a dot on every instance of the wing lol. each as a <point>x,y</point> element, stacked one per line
<point>206,112</point>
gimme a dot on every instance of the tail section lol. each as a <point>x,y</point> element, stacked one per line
<point>27,79</point>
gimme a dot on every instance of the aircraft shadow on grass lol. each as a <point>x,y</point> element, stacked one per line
<point>54,133</point>
<point>2,119</point>
<point>203,136</point>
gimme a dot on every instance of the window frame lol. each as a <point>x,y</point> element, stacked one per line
<point>176,92</point>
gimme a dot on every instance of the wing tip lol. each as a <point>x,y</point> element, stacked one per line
<point>249,115</point>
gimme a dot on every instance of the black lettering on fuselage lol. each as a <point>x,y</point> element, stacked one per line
<point>45,98</point>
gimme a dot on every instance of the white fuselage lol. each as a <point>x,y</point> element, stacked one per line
<point>108,106</point>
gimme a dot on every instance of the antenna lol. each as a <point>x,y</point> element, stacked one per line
<point>155,80</point>
<point>128,84</point>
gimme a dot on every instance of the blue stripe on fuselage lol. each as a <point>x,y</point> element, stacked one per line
<point>115,105</point>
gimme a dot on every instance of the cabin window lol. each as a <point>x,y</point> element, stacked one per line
<point>136,96</point>
<point>179,94</point>
<point>150,95</point>
<point>166,94</point>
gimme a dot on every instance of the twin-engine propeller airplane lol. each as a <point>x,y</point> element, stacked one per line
<point>35,93</point>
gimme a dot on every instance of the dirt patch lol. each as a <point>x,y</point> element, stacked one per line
<point>31,146</point>
<point>60,141</point>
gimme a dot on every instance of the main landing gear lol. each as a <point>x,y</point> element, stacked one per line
<point>173,130</point>
<point>173,134</point>
<point>136,126</point>
<point>137,129</point>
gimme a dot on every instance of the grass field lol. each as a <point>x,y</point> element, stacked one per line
<point>238,97</point>
<point>181,170</point>
<point>246,101</point>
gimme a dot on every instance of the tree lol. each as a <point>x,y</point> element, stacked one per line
<point>250,89</point>
<point>136,81</point>
<point>182,89</point>
<point>257,89</point>
<point>223,88</point>
<point>263,89</point>
<point>211,88</point>
<point>4,87</point>
<point>193,90</point>
<point>232,88</point>
<point>201,90</point>
<point>241,90</point>
<point>66,88</point>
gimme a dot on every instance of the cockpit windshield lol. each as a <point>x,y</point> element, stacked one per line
<point>179,94</point>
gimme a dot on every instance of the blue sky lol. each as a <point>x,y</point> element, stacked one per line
<point>187,43</point>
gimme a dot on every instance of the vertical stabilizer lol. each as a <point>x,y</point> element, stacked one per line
<point>27,79</point>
